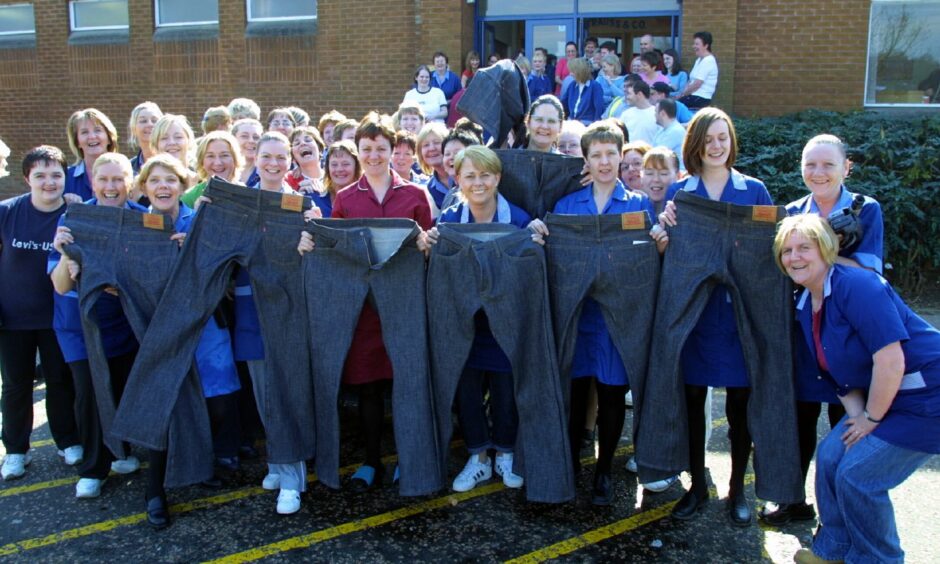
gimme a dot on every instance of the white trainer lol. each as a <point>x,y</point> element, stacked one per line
<point>503,468</point>
<point>288,501</point>
<point>88,488</point>
<point>631,464</point>
<point>127,465</point>
<point>660,485</point>
<point>14,466</point>
<point>628,398</point>
<point>72,455</point>
<point>472,474</point>
<point>271,482</point>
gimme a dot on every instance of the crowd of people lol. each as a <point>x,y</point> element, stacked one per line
<point>649,154</point>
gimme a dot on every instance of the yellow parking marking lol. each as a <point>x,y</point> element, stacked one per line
<point>39,486</point>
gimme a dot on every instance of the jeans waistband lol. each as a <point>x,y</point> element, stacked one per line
<point>242,199</point>
<point>501,235</point>
<point>343,228</point>
<point>728,214</point>
<point>599,226</point>
<point>107,217</point>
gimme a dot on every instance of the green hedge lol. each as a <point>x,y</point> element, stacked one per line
<point>896,161</point>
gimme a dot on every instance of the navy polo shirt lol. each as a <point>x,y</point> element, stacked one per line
<point>78,181</point>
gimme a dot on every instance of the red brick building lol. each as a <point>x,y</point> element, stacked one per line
<point>775,56</point>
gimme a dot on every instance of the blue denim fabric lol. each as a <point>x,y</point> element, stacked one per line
<point>535,181</point>
<point>498,99</point>
<point>372,259</point>
<point>855,512</point>
<point>500,270</point>
<point>115,249</point>
<point>721,243</point>
<point>249,228</point>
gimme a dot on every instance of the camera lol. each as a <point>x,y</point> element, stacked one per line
<point>846,223</point>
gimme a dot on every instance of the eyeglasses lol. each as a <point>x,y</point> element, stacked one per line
<point>284,122</point>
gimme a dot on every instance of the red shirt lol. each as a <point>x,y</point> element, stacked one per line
<point>367,360</point>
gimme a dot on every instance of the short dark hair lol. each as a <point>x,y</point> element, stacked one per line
<point>591,40</point>
<point>667,105</point>
<point>661,87</point>
<point>631,78</point>
<point>406,138</point>
<point>640,87</point>
<point>375,125</point>
<point>651,58</point>
<point>542,50</point>
<point>706,37</point>
<point>603,131</point>
<point>610,46</point>
<point>440,54</point>
<point>46,154</point>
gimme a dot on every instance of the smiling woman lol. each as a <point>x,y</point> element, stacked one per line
<point>91,134</point>
<point>173,135</point>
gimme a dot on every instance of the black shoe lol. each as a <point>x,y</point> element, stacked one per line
<point>739,511</point>
<point>603,492</point>
<point>248,452</point>
<point>158,516</point>
<point>689,506</point>
<point>779,515</point>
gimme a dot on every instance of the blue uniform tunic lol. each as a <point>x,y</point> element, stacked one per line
<point>322,201</point>
<point>117,338</point>
<point>485,354</point>
<point>438,190</point>
<point>78,181</point>
<point>247,336</point>
<point>595,353</point>
<point>861,315</point>
<point>868,252</point>
<point>712,355</point>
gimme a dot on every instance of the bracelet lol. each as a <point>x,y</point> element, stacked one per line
<point>872,419</point>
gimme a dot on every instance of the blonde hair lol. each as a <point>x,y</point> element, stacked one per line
<point>132,140</point>
<point>215,118</point>
<point>121,161</point>
<point>614,61</point>
<point>812,227</point>
<point>408,107</point>
<point>241,108</point>
<point>580,69</point>
<point>661,158</point>
<point>163,125</point>
<point>166,161</point>
<point>826,139</point>
<point>92,114</point>
<point>203,146</point>
<point>483,158</point>
<point>432,128</point>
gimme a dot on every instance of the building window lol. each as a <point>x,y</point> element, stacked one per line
<point>903,53</point>
<point>17,19</point>
<point>186,12</point>
<point>270,10</point>
<point>93,15</point>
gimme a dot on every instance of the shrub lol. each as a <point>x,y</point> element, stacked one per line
<point>896,161</point>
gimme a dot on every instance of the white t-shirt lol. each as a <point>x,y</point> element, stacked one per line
<point>706,70</point>
<point>641,124</point>
<point>430,101</point>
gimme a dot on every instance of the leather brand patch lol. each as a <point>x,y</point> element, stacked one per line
<point>633,220</point>
<point>153,221</point>
<point>292,202</point>
<point>767,214</point>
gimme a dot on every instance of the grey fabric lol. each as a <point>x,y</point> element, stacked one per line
<point>376,259</point>
<point>498,99</point>
<point>721,243</point>
<point>505,277</point>
<point>535,181</point>
<point>250,228</point>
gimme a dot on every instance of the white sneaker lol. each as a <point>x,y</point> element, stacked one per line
<point>88,487</point>
<point>631,464</point>
<point>660,485</point>
<point>127,465</point>
<point>72,455</point>
<point>271,482</point>
<point>14,466</point>
<point>628,398</point>
<point>288,501</point>
<point>504,469</point>
<point>472,474</point>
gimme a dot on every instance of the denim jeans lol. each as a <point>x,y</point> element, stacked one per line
<point>718,243</point>
<point>498,100</point>
<point>294,474</point>
<point>115,249</point>
<point>472,413</point>
<point>258,230</point>
<point>499,269</point>
<point>534,180</point>
<point>855,513</point>
<point>355,260</point>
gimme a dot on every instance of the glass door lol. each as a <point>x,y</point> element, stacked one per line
<point>550,34</point>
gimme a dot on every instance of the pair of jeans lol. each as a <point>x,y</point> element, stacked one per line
<point>718,243</point>
<point>535,181</point>
<point>497,99</point>
<point>18,369</point>
<point>116,248</point>
<point>499,269</point>
<point>355,260</point>
<point>855,513</point>
<point>257,230</point>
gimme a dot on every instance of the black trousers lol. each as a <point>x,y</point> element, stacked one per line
<point>18,368</point>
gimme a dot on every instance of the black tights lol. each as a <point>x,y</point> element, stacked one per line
<point>156,474</point>
<point>807,414</point>
<point>610,414</point>
<point>372,419</point>
<point>738,434</point>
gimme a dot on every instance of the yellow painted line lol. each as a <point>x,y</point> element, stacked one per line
<point>39,486</point>
<point>595,536</point>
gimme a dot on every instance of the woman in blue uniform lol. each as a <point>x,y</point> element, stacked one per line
<point>883,361</point>
<point>91,134</point>
<point>712,355</point>
<point>595,357</point>
<point>825,167</point>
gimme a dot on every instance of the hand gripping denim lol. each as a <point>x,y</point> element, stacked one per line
<point>499,269</point>
<point>534,180</point>
<point>374,259</point>
<point>613,260</point>
<point>258,230</point>
<point>132,252</point>
<point>718,243</point>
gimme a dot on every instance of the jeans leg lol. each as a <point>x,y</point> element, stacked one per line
<point>470,412</point>
<point>695,412</point>
<point>60,391</point>
<point>18,368</point>
<point>503,411</point>
<point>97,458</point>
<point>736,411</point>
